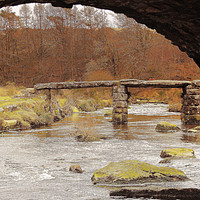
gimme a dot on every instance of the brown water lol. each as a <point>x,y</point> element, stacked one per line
<point>34,164</point>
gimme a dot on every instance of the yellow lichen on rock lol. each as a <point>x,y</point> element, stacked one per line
<point>177,152</point>
<point>166,126</point>
<point>133,171</point>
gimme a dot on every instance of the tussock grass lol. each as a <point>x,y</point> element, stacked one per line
<point>10,89</point>
<point>86,130</point>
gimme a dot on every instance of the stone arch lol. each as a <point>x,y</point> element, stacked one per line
<point>178,20</point>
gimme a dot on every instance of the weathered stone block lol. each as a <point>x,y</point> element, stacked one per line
<point>196,83</point>
<point>193,91</point>
<point>125,110</point>
<point>119,118</point>
<point>188,97</point>
<point>190,110</point>
<point>120,97</point>
<point>189,87</point>
<point>124,117</point>
<point>120,89</point>
<point>120,110</point>
<point>191,102</point>
<point>120,104</point>
<point>190,119</point>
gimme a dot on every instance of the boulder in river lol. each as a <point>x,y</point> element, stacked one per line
<point>76,168</point>
<point>108,113</point>
<point>177,153</point>
<point>87,138</point>
<point>195,129</point>
<point>133,171</point>
<point>166,126</point>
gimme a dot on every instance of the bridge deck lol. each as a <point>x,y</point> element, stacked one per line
<point>74,85</point>
<point>155,83</point>
<point>125,82</point>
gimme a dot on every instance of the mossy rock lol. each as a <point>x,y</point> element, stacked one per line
<point>166,126</point>
<point>178,153</point>
<point>195,129</point>
<point>87,138</point>
<point>108,113</point>
<point>133,171</point>
<point>10,124</point>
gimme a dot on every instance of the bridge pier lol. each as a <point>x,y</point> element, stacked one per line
<point>190,112</point>
<point>52,104</point>
<point>120,104</point>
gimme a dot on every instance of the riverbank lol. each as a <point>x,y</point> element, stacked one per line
<point>23,108</point>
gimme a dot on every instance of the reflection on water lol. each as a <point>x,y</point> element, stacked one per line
<point>35,163</point>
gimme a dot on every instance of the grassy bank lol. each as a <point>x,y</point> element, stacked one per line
<point>21,108</point>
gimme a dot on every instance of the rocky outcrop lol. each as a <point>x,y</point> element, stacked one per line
<point>133,171</point>
<point>176,20</point>
<point>166,126</point>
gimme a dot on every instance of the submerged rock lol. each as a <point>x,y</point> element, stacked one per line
<point>165,193</point>
<point>133,171</point>
<point>108,113</point>
<point>195,129</point>
<point>76,168</point>
<point>166,126</point>
<point>178,153</point>
<point>87,138</point>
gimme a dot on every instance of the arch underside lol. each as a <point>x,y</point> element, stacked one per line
<point>177,20</point>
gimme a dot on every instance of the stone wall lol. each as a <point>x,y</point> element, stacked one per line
<point>190,112</point>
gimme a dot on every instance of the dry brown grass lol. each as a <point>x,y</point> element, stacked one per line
<point>9,90</point>
<point>86,130</point>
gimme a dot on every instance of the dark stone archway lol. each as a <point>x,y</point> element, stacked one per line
<point>177,20</point>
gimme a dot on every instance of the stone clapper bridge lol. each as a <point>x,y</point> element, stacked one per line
<point>190,112</point>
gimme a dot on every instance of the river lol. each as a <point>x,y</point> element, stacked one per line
<point>34,164</point>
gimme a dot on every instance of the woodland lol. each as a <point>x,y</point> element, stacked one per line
<point>48,44</point>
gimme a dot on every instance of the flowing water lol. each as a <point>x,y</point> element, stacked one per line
<point>34,164</point>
